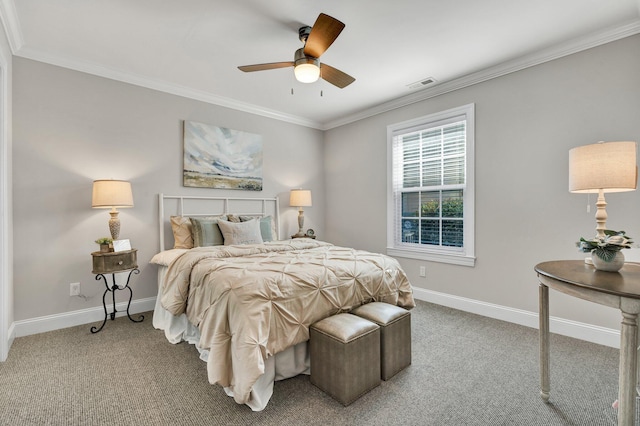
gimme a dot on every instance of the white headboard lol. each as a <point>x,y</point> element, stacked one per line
<point>193,206</point>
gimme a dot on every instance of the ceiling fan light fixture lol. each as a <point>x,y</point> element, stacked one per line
<point>306,62</point>
<point>307,68</point>
<point>307,73</point>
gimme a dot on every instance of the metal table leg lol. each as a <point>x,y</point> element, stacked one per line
<point>113,289</point>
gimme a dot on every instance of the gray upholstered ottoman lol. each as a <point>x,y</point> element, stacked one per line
<point>395,335</point>
<point>345,356</point>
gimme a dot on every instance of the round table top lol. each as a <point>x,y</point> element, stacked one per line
<point>624,283</point>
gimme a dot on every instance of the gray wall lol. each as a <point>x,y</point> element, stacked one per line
<point>526,122</point>
<point>71,128</point>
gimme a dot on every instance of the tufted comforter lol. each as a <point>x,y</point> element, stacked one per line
<point>252,301</point>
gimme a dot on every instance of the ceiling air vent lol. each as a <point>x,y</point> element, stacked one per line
<point>422,83</point>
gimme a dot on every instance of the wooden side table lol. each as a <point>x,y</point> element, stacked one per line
<point>620,290</point>
<point>112,263</point>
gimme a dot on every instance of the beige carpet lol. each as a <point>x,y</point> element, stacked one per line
<point>467,370</point>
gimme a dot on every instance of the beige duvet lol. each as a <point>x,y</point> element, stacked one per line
<point>251,302</point>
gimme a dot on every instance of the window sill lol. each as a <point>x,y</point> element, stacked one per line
<point>451,258</point>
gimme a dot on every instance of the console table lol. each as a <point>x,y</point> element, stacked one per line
<point>620,290</point>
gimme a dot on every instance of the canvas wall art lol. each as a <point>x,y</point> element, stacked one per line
<point>217,157</point>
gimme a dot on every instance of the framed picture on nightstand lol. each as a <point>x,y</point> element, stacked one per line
<point>121,245</point>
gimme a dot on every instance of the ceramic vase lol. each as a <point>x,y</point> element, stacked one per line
<point>612,266</point>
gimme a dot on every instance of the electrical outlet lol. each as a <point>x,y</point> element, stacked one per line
<point>423,271</point>
<point>74,289</point>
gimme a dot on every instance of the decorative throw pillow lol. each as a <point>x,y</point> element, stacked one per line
<point>206,232</point>
<point>241,233</point>
<point>233,218</point>
<point>267,227</point>
<point>182,233</point>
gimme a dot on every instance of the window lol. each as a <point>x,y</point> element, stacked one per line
<point>430,195</point>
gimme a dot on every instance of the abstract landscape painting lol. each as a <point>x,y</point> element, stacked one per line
<point>217,157</point>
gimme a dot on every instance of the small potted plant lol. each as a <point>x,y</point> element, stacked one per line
<point>104,243</point>
<point>605,251</point>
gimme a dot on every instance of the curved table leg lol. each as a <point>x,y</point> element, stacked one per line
<point>113,289</point>
<point>131,296</point>
<point>95,329</point>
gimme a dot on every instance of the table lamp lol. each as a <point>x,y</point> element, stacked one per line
<point>603,167</point>
<point>300,198</point>
<point>112,194</point>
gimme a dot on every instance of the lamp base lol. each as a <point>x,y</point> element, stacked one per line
<point>114,224</point>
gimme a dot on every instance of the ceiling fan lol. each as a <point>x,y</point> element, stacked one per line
<point>306,62</point>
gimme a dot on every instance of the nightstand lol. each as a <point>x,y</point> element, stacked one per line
<point>309,234</point>
<point>112,263</point>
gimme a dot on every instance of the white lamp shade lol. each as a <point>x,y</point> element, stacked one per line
<point>307,73</point>
<point>111,193</point>
<point>300,198</point>
<point>606,166</point>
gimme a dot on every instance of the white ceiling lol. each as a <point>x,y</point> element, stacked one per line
<point>193,47</point>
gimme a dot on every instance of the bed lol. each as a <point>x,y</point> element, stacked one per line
<point>246,298</point>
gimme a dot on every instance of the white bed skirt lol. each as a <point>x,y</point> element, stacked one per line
<point>285,364</point>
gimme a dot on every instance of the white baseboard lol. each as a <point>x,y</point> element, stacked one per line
<point>12,334</point>
<point>578,330</point>
<point>83,316</point>
<point>4,350</point>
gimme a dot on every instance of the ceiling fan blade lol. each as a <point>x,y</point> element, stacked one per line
<point>335,76</point>
<point>263,67</point>
<point>323,33</point>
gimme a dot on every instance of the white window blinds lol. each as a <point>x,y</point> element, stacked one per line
<point>429,184</point>
<point>431,206</point>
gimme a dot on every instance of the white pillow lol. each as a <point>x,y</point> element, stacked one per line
<point>240,233</point>
<point>267,227</point>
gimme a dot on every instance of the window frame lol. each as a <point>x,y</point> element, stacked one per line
<point>459,256</point>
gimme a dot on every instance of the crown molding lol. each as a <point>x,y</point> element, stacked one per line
<point>160,85</point>
<point>9,19</point>
<point>11,23</point>
<point>526,61</point>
